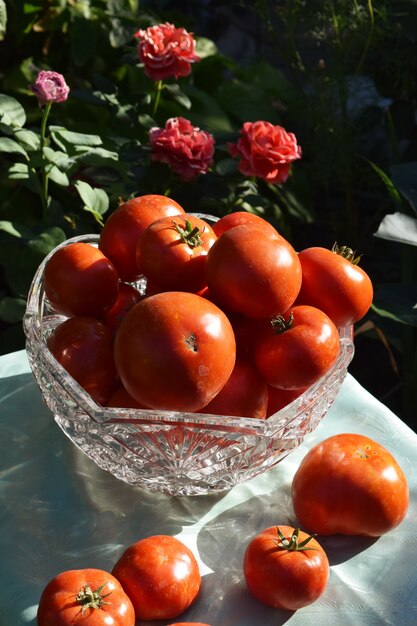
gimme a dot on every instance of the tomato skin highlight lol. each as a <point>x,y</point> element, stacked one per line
<point>168,260</point>
<point>352,485</point>
<point>84,347</point>
<point>122,229</point>
<point>237,219</point>
<point>160,575</point>
<point>297,357</point>
<point>254,271</point>
<point>335,285</point>
<point>80,281</point>
<point>58,605</point>
<point>281,578</point>
<point>174,351</point>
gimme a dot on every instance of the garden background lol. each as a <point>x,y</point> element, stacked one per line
<point>341,75</point>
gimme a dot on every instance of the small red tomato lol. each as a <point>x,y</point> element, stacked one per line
<point>298,349</point>
<point>254,271</point>
<point>84,347</point>
<point>278,398</point>
<point>237,219</point>
<point>87,597</point>
<point>334,283</point>
<point>174,351</point>
<point>121,231</point>
<point>80,280</point>
<point>285,568</point>
<point>172,252</point>
<point>128,296</point>
<point>352,485</point>
<point>244,394</point>
<point>160,575</point>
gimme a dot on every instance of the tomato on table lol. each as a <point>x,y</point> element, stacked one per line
<point>80,280</point>
<point>122,229</point>
<point>84,348</point>
<point>160,575</point>
<point>254,271</point>
<point>172,252</point>
<point>334,283</point>
<point>352,485</point>
<point>285,568</point>
<point>86,597</point>
<point>298,348</point>
<point>174,351</point>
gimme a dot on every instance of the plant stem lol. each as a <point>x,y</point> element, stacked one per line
<point>44,174</point>
<point>369,38</point>
<point>158,89</point>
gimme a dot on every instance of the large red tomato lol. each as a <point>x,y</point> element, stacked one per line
<point>160,575</point>
<point>80,280</point>
<point>87,597</point>
<point>254,271</point>
<point>172,252</point>
<point>121,231</point>
<point>237,219</point>
<point>334,283</point>
<point>298,349</point>
<point>285,568</point>
<point>245,394</point>
<point>349,484</point>
<point>84,347</point>
<point>175,351</point>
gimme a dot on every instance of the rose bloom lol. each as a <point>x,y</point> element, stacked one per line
<point>266,151</point>
<point>166,51</point>
<point>50,87</point>
<point>184,147</point>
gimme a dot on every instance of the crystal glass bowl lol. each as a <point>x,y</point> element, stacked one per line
<point>166,451</point>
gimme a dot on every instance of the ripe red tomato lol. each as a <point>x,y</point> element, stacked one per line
<point>245,394</point>
<point>160,575</point>
<point>172,252</point>
<point>237,219</point>
<point>298,349</point>
<point>84,347</point>
<point>352,485</point>
<point>335,284</point>
<point>253,271</point>
<point>285,568</point>
<point>127,297</point>
<point>80,280</point>
<point>87,597</point>
<point>278,398</point>
<point>121,231</point>
<point>121,399</point>
<point>174,351</point>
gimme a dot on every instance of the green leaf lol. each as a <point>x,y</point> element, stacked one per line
<point>83,39</point>
<point>18,171</point>
<point>13,229</point>
<point>3,19</point>
<point>205,47</point>
<point>398,227</point>
<point>58,177</point>
<point>11,111</point>
<point>77,139</point>
<point>10,145</point>
<point>27,138</point>
<point>392,190</point>
<point>12,310</point>
<point>206,112</point>
<point>404,176</point>
<point>146,121</point>
<point>225,167</point>
<point>247,102</point>
<point>95,200</point>
<point>397,301</point>
<point>177,95</point>
<point>46,241</point>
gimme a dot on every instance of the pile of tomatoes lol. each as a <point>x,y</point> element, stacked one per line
<point>233,320</point>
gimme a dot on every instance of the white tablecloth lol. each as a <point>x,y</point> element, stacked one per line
<point>59,511</point>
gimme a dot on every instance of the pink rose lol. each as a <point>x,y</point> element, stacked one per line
<point>266,151</point>
<point>187,149</point>
<point>166,51</point>
<point>50,87</point>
